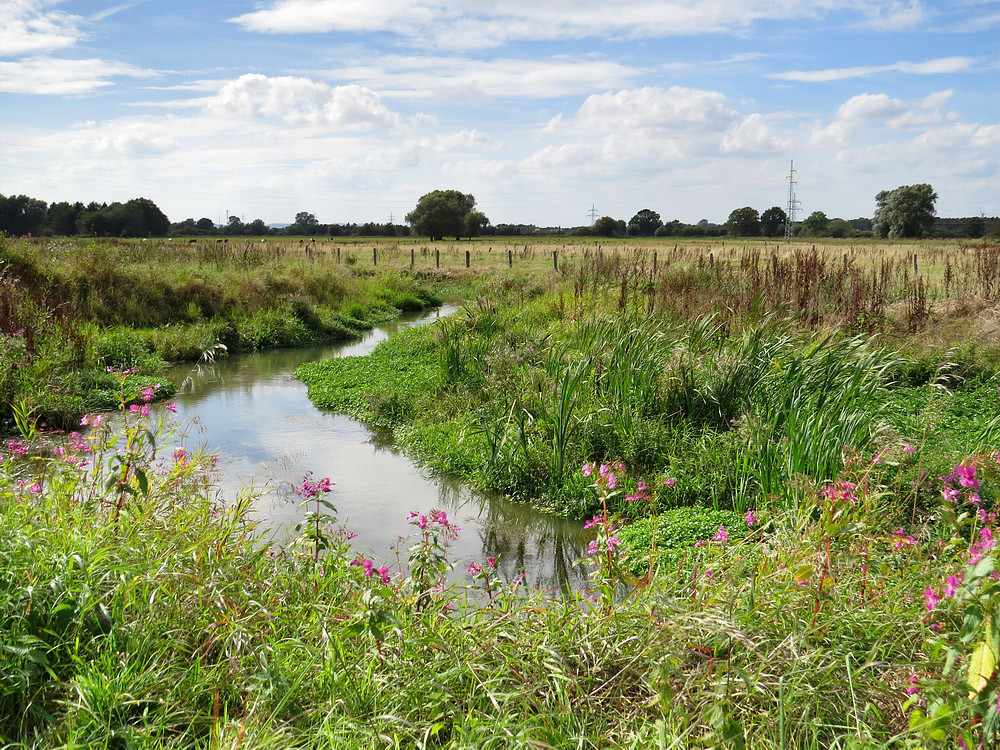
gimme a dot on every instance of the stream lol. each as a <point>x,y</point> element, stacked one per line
<point>255,415</point>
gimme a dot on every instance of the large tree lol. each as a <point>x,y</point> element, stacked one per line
<point>605,227</point>
<point>644,223</point>
<point>815,225</point>
<point>907,211</point>
<point>772,221</point>
<point>442,212</point>
<point>744,222</point>
<point>20,215</point>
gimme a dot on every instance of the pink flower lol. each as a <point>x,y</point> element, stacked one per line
<point>612,482</point>
<point>595,521</point>
<point>750,518</point>
<point>670,482</point>
<point>721,536</point>
<point>951,586</point>
<point>932,599</point>
<point>491,561</point>
<point>907,448</point>
<point>474,569</point>
<point>699,543</point>
<point>902,539</point>
<point>914,685</point>
<point>383,573</point>
<point>172,408</point>
<point>588,470</point>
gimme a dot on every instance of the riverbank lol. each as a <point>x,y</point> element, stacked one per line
<point>140,612</point>
<point>72,309</point>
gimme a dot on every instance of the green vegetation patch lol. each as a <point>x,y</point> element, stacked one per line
<point>381,389</point>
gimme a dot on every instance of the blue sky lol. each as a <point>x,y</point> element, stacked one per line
<point>352,109</point>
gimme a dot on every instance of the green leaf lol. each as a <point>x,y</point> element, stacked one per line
<point>982,665</point>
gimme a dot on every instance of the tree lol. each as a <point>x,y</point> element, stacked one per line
<point>62,217</point>
<point>440,213</point>
<point>234,225</point>
<point>744,222</point>
<point>907,211</point>
<point>257,227</point>
<point>21,215</point>
<point>644,224</point>
<point>305,219</point>
<point>815,225</point>
<point>772,221</point>
<point>974,227</point>
<point>475,223</point>
<point>839,228</point>
<point>205,224</point>
<point>605,227</point>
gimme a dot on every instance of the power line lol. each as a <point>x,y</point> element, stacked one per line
<point>592,213</point>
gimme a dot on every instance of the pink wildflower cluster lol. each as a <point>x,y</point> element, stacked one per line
<point>979,549</point>
<point>641,493</point>
<point>370,569</point>
<point>17,447</point>
<point>436,517</point>
<point>721,536</point>
<point>901,539</point>
<point>92,420</point>
<point>840,490</point>
<point>606,537</point>
<point>751,518</point>
<point>932,598</point>
<point>310,489</point>
<point>606,474</point>
<point>477,568</point>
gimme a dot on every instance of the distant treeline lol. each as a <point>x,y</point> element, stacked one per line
<point>22,216</point>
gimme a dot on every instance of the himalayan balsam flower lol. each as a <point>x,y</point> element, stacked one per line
<point>932,599</point>
<point>721,536</point>
<point>914,685</point>
<point>588,470</point>
<point>902,539</point>
<point>978,550</point>
<point>951,586</point>
<point>750,518</point>
<point>670,482</point>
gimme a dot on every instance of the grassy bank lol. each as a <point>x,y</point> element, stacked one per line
<point>138,612</point>
<point>71,309</point>
<point>529,381</point>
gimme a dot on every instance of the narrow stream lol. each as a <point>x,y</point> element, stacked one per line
<point>251,410</point>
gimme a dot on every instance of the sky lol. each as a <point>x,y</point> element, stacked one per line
<point>544,110</point>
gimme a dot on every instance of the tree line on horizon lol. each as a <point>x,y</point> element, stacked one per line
<point>907,211</point>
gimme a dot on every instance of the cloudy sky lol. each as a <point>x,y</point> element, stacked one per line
<point>352,109</point>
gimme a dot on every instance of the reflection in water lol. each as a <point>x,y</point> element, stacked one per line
<point>251,410</point>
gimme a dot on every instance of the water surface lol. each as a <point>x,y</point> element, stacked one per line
<point>252,411</point>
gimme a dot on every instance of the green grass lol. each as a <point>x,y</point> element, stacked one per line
<point>154,618</point>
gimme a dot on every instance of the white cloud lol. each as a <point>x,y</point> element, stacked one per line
<point>875,110</point>
<point>461,79</point>
<point>31,26</point>
<point>894,16</point>
<point>930,67</point>
<point>129,138</point>
<point>650,108</point>
<point>752,135</point>
<point>461,24</point>
<point>46,75</point>
<point>301,101</point>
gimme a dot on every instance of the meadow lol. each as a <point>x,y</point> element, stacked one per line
<point>787,456</point>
